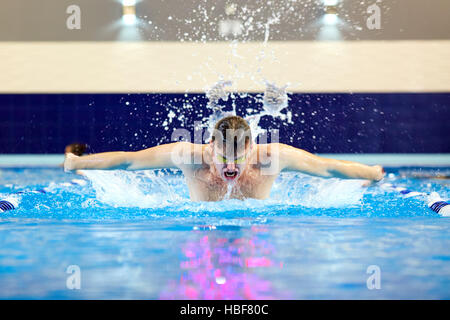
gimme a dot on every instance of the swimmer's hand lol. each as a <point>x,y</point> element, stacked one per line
<point>379,175</point>
<point>378,172</point>
<point>69,162</point>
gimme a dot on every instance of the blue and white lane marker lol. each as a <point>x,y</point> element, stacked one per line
<point>438,205</point>
<point>32,191</point>
<point>74,182</point>
<point>10,203</point>
<point>434,201</point>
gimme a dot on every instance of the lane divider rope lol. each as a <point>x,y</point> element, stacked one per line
<point>434,201</point>
<point>11,203</point>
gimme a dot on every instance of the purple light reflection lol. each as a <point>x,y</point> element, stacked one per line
<point>215,267</point>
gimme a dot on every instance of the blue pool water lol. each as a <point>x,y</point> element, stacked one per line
<point>137,235</point>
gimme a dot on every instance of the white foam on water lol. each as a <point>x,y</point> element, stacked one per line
<point>333,193</point>
<point>143,189</point>
<point>299,189</point>
<point>146,189</point>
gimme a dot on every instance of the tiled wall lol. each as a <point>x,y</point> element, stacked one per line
<point>323,123</point>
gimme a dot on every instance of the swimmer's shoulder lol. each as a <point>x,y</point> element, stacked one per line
<point>274,148</point>
<point>262,152</point>
<point>270,149</point>
<point>197,155</point>
<point>265,153</point>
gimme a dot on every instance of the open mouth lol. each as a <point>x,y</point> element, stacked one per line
<point>230,175</point>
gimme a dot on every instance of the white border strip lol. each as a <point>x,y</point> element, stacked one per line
<point>308,66</point>
<point>396,159</point>
<point>31,160</point>
<point>389,160</point>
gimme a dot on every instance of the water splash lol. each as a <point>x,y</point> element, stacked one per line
<point>112,195</point>
<point>230,186</point>
<point>214,94</point>
<point>312,192</point>
<point>275,19</point>
<point>217,92</point>
<point>152,189</point>
<point>274,101</point>
<point>143,189</point>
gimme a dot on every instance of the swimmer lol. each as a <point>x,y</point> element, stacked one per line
<point>230,159</point>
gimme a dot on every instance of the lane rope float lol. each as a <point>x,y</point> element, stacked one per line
<point>434,200</point>
<point>10,203</point>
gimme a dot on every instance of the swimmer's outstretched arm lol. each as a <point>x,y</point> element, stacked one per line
<point>163,156</point>
<point>303,161</point>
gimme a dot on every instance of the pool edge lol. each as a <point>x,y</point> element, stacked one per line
<point>388,159</point>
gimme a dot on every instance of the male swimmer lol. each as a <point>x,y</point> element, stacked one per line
<point>230,159</point>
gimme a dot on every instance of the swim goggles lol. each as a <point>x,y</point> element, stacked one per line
<point>222,159</point>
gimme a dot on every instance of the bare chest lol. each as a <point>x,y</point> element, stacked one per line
<point>203,186</point>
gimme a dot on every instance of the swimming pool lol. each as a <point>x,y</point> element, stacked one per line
<point>137,235</point>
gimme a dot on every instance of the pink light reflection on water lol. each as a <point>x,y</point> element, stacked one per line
<point>215,267</point>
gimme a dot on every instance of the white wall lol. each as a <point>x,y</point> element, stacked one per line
<point>372,66</point>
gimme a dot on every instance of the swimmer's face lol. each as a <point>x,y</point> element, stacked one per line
<point>230,163</point>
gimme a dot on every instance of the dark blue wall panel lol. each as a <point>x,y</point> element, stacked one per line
<point>325,123</point>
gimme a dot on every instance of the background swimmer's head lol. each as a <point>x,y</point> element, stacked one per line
<point>231,142</point>
<point>76,148</point>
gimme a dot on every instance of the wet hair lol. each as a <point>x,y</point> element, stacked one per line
<point>77,148</point>
<point>233,127</point>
